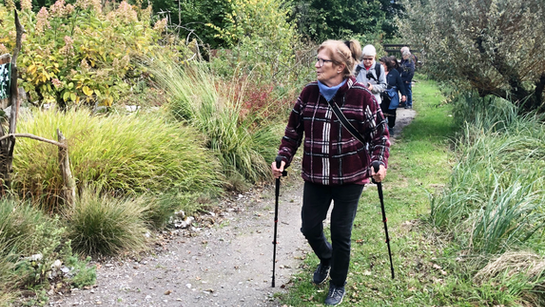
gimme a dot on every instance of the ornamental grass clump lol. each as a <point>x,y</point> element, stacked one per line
<point>196,100</point>
<point>494,200</point>
<point>103,225</point>
<point>125,154</point>
<point>521,273</point>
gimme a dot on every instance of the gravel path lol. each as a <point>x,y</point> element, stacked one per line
<point>226,262</point>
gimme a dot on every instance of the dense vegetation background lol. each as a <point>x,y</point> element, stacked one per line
<point>167,106</point>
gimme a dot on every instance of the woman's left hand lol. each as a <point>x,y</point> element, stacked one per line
<point>380,175</point>
<point>403,98</point>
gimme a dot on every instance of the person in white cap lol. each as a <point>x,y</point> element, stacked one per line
<point>370,73</point>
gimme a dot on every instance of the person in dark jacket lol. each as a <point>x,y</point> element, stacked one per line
<point>336,165</point>
<point>406,68</point>
<point>391,98</point>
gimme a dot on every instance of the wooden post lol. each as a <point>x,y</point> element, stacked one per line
<point>69,184</point>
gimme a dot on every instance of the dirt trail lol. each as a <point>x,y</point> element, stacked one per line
<point>226,264</point>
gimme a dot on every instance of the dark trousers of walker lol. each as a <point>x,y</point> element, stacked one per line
<point>316,202</point>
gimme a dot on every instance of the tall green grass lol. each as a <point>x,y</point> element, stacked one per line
<point>126,154</point>
<point>493,202</point>
<point>215,108</point>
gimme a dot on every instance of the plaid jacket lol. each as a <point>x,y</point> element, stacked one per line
<point>332,156</point>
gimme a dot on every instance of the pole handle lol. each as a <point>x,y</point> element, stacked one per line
<point>376,167</point>
<point>278,161</point>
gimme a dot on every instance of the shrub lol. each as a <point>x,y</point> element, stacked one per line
<point>84,275</point>
<point>74,54</point>
<point>494,47</point>
<point>104,225</point>
<point>30,242</point>
<point>26,230</point>
<point>9,279</point>
<point>126,154</point>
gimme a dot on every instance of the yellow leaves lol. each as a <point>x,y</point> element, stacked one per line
<point>108,101</point>
<point>87,71</point>
<point>87,91</point>
<point>31,69</point>
<point>68,95</point>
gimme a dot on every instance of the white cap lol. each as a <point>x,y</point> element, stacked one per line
<point>369,50</point>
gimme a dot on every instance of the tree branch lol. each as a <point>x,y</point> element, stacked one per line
<point>32,136</point>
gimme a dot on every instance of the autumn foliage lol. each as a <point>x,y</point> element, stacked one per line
<point>84,54</point>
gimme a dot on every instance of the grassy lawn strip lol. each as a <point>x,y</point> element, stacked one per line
<point>426,272</point>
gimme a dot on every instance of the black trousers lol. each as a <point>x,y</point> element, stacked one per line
<point>316,202</point>
<point>388,113</point>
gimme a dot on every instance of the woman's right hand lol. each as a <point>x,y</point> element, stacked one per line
<point>277,172</point>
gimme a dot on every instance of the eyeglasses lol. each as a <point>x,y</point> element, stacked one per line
<point>322,61</point>
<point>368,59</point>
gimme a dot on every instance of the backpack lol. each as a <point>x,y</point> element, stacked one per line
<point>377,70</point>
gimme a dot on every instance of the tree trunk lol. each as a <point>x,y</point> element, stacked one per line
<point>7,144</point>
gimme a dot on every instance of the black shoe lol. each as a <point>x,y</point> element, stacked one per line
<point>392,131</point>
<point>321,273</point>
<point>335,295</point>
<point>408,107</point>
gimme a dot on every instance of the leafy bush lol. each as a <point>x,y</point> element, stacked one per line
<point>26,230</point>
<point>74,54</point>
<point>9,279</point>
<point>84,275</point>
<point>103,225</point>
<point>494,47</point>
<point>325,19</point>
<point>30,242</point>
<point>126,154</point>
<point>190,18</point>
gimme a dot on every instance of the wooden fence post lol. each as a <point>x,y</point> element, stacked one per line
<point>69,184</point>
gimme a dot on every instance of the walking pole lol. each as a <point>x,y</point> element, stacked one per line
<point>277,192</point>
<point>376,166</point>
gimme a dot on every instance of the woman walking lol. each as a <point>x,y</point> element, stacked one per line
<point>390,97</point>
<point>336,165</point>
<point>370,73</point>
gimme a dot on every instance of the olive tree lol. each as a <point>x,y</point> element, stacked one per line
<point>494,46</point>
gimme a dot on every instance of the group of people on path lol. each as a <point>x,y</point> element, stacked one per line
<point>340,121</point>
<point>388,81</point>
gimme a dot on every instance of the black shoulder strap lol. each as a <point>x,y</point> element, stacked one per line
<point>377,70</point>
<point>358,69</point>
<point>345,122</point>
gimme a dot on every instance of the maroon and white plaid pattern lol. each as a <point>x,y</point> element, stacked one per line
<point>332,156</point>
